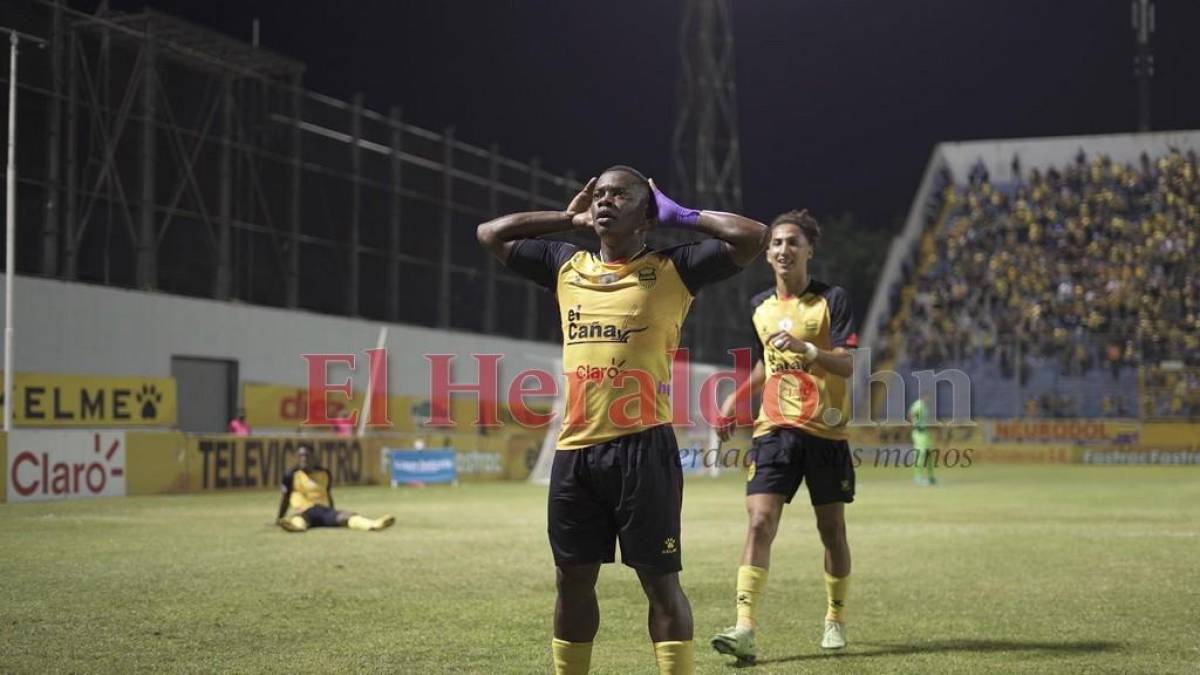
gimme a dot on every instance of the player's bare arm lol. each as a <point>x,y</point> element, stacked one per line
<point>498,236</point>
<point>746,237</point>
<point>838,360</point>
<point>751,387</point>
<point>283,505</point>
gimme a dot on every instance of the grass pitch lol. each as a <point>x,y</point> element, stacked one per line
<point>998,569</point>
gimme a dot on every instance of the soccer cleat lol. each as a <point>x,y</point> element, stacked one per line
<point>293,524</point>
<point>835,635</point>
<point>737,641</point>
<point>384,522</point>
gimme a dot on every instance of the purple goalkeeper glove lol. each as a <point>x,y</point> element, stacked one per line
<point>671,214</point>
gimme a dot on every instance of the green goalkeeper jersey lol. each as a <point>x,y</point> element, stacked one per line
<point>919,415</point>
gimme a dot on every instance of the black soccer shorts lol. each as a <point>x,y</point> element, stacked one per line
<point>629,489</point>
<point>320,516</point>
<point>783,458</point>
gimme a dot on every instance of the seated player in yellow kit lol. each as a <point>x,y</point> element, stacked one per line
<point>306,490</point>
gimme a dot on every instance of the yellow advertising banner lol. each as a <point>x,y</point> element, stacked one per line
<point>155,462</point>
<point>1081,431</point>
<point>55,400</point>
<point>276,406</point>
<point>216,463</point>
<point>942,435</point>
<point>1172,434</point>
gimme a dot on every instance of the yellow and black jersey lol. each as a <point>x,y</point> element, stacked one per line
<point>816,401</point>
<point>620,321</point>
<point>306,488</point>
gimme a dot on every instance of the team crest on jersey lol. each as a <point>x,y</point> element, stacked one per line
<point>812,325</point>
<point>647,277</point>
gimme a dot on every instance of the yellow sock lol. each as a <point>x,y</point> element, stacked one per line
<point>836,589</point>
<point>298,523</point>
<point>674,658</point>
<point>751,582</point>
<point>360,523</point>
<point>572,658</point>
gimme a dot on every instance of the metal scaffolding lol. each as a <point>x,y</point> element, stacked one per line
<point>706,164</point>
<point>179,159</point>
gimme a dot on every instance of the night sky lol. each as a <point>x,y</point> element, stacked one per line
<point>840,101</point>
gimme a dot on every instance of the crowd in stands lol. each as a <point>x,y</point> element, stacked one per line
<point>1091,266</point>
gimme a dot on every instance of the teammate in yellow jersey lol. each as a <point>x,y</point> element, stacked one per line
<point>307,491</point>
<point>617,475</point>
<point>803,329</point>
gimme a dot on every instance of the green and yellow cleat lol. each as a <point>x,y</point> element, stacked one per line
<point>737,641</point>
<point>835,635</point>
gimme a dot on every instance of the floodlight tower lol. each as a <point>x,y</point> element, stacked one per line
<point>1143,61</point>
<point>706,155</point>
<point>706,160</point>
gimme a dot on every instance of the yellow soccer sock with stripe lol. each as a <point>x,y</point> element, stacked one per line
<point>674,657</point>
<point>836,589</point>
<point>360,523</point>
<point>751,583</point>
<point>571,658</point>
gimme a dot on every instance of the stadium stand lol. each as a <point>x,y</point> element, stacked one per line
<point>1076,279</point>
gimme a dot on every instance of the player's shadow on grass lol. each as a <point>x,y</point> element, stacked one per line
<point>871,649</point>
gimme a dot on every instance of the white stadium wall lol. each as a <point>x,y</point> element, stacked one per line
<point>63,327</point>
<point>74,328</point>
<point>1043,153</point>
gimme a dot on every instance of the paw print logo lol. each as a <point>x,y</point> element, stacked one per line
<point>669,546</point>
<point>150,398</point>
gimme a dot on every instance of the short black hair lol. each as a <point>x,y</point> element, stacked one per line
<point>800,218</point>
<point>651,206</point>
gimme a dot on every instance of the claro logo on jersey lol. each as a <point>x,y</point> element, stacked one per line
<point>581,332</point>
<point>65,464</point>
<point>590,373</point>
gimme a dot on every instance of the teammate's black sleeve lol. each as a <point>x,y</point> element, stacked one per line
<point>703,262</point>
<point>540,260</point>
<point>842,332</point>
<point>752,336</point>
<point>287,493</point>
<point>756,345</point>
